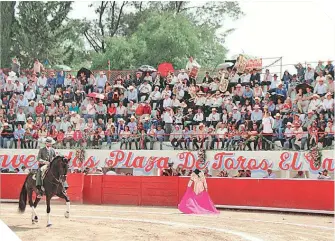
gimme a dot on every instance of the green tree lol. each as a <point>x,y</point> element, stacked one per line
<point>7,18</point>
<point>117,18</point>
<point>162,37</point>
<point>43,31</point>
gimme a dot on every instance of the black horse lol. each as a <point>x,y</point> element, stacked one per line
<point>53,185</point>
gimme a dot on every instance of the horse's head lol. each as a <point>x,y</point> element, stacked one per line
<point>60,165</point>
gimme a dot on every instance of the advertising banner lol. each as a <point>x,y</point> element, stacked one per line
<point>146,160</point>
<point>244,63</point>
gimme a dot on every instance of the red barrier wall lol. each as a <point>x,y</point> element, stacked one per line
<point>168,191</point>
<point>11,185</point>
<point>92,189</point>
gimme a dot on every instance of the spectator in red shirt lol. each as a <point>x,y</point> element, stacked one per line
<point>139,109</point>
<point>111,111</point>
<point>60,138</point>
<point>39,109</point>
<point>78,138</point>
<point>147,108</point>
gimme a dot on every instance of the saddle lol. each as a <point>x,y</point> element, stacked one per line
<point>43,174</point>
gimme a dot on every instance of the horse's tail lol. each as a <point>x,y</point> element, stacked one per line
<point>23,197</point>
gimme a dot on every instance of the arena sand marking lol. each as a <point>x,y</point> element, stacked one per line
<point>210,216</point>
<point>173,224</point>
<point>202,216</point>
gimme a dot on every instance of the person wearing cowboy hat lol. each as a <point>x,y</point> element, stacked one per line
<point>155,97</point>
<point>7,134</point>
<point>315,104</point>
<point>280,90</point>
<point>101,81</point>
<point>320,87</point>
<point>44,158</point>
<point>200,99</point>
<point>9,86</point>
<point>309,75</point>
<point>328,105</point>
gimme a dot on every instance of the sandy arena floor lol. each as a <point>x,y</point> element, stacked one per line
<point>128,223</point>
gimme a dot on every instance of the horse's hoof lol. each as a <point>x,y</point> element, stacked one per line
<point>32,221</point>
<point>67,214</point>
<point>49,225</point>
<point>36,219</point>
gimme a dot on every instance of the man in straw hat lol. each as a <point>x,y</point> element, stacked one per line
<point>44,157</point>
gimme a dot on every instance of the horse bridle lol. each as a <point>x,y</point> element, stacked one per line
<point>59,180</point>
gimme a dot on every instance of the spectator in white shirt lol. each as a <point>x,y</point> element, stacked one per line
<point>21,117</point>
<point>42,82</point>
<point>320,88</point>
<point>309,75</point>
<point>121,111</point>
<point>256,115</point>
<point>236,115</point>
<point>22,102</point>
<point>167,102</point>
<point>315,104</point>
<point>275,82</point>
<point>324,175</point>
<point>182,75</point>
<point>29,94</point>
<point>38,67</point>
<point>18,87</point>
<point>132,94</point>
<point>101,81</point>
<point>198,117</point>
<point>328,104</point>
<point>245,78</point>
<point>155,97</point>
<point>144,90</point>
<point>270,174</point>
<point>167,118</point>
<point>213,118</point>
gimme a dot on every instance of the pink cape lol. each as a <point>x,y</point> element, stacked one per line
<point>196,204</point>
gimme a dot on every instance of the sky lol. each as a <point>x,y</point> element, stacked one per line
<point>297,31</point>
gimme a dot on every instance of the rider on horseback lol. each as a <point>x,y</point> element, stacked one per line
<point>45,156</point>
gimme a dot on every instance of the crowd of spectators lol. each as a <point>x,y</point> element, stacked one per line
<point>255,112</point>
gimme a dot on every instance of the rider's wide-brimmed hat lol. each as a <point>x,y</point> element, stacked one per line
<point>50,140</point>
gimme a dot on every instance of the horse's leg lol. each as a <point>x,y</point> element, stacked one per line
<point>64,196</point>
<point>31,204</point>
<point>37,200</point>
<point>48,197</point>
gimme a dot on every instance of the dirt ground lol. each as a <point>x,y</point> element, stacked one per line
<point>92,222</point>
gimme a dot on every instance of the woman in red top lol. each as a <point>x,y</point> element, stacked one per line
<point>111,111</point>
<point>53,132</point>
<point>60,138</point>
<point>39,109</point>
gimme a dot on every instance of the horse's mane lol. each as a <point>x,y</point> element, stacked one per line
<point>55,160</point>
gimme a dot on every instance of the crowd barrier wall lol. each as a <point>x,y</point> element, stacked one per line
<point>168,191</point>
<point>11,185</point>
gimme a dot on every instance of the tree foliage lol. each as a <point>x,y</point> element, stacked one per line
<point>162,37</point>
<point>7,19</point>
<point>153,32</point>
<point>43,31</point>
